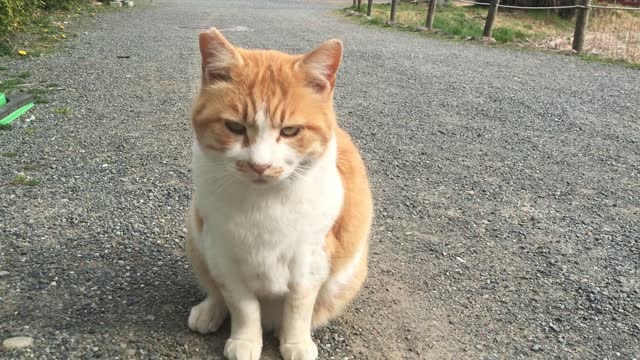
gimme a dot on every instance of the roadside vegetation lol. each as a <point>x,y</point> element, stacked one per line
<point>34,27</point>
<point>612,35</point>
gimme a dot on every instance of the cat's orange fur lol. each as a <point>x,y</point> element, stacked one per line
<point>292,90</point>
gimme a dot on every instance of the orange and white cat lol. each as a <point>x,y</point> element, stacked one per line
<point>280,218</point>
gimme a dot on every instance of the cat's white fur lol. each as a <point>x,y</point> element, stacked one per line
<point>259,241</point>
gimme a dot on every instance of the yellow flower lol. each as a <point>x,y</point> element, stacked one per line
<point>61,27</point>
<point>63,36</point>
<point>22,52</point>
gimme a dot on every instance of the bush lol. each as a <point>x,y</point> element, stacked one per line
<point>16,13</point>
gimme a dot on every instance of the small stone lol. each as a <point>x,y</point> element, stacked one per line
<point>17,342</point>
<point>4,273</point>
<point>537,348</point>
<point>131,352</point>
<point>151,317</point>
<point>554,328</point>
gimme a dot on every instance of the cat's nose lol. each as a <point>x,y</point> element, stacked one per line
<point>259,168</point>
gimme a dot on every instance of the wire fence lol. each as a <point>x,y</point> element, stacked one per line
<point>582,15</point>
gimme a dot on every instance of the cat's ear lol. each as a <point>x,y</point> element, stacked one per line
<point>321,66</point>
<point>218,56</point>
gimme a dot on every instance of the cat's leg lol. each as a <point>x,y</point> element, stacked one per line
<point>295,337</point>
<point>207,316</point>
<point>245,342</point>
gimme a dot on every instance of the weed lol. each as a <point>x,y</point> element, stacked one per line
<point>10,84</point>
<point>23,179</point>
<point>37,99</point>
<point>22,75</point>
<point>37,91</point>
<point>63,111</point>
<point>29,131</point>
<point>9,154</point>
<point>5,127</point>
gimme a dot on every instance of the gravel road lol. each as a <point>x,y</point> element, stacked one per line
<point>507,188</point>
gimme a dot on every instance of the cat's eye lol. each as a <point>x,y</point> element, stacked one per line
<point>290,131</point>
<point>235,127</point>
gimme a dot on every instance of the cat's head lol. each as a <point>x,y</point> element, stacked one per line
<point>264,115</point>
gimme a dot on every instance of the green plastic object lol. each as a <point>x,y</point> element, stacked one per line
<point>11,107</point>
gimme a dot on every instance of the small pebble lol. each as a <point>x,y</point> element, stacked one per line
<point>537,348</point>
<point>17,342</point>
<point>4,273</point>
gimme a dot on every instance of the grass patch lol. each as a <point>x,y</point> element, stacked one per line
<point>29,130</point>
<point>63,111</point>
<point>5,127</point>
<point>9,154</point>
<point>23,179</point>
<point>608,60</point>
<point>2,68</point>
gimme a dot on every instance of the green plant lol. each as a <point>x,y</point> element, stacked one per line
<point>10,154</point>
<point>63,111</point>
<point>23,179</point>
<point>22,75</point>
<point>7,85</point>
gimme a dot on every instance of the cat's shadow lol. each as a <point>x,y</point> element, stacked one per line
<point>146,308</point>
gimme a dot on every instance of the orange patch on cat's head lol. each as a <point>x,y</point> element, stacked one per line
<point>265,88</point>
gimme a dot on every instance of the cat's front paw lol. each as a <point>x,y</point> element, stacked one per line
<point>207,316</point>
<point>237,349</point>
<point>299,351</point>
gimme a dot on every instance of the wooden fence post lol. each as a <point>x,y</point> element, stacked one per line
<point>394,5</point>
<point>581,25</point>
<point>369,7</point>
<point>491,17</point>
<point>431,13</point>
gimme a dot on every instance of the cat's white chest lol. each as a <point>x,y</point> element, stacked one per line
<point>266,240</point>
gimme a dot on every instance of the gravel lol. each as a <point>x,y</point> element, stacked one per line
<point>506,186</point>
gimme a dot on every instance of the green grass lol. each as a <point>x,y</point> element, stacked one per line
<point>608,60</point>
<point>2,68</point>
<point>29,130</point>
<point>9,154</point>
<point>22,179</point>
<point>6,127</point>
<point>6,86</point>
<point>63,111</point>
<point>22,75</point>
